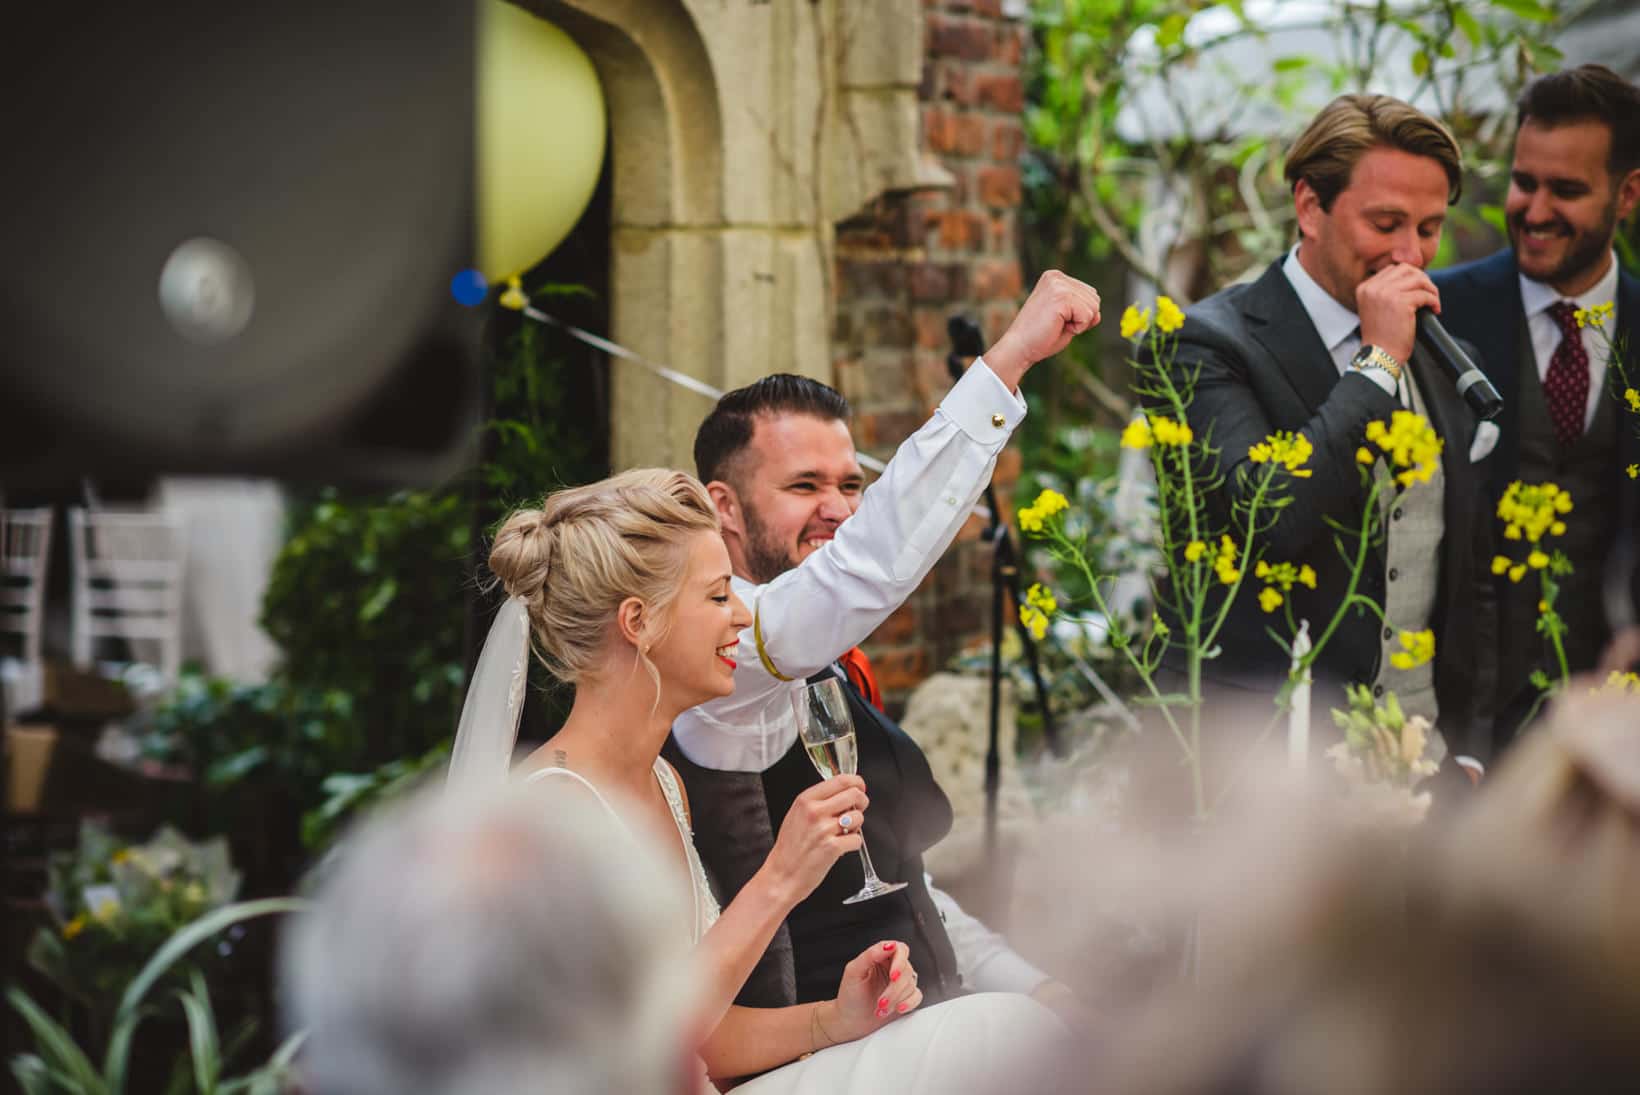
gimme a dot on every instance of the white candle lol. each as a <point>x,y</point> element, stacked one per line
<point>1298,717</point>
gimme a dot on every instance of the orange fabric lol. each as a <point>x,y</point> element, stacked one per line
<point>858,667</point>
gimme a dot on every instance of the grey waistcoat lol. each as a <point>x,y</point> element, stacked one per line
<point>1414,521</point>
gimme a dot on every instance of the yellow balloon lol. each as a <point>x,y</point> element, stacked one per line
<point>540,137</point>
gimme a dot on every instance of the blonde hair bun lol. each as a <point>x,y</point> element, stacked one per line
<point>587,549</point>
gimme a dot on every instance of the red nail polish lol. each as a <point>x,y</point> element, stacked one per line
<point>888,946</point>
<point>895,976</point>
<point>905,1007</point>
<point>882,1005</point>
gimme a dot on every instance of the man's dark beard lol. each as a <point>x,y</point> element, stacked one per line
<point>1588,248</point>
<point>766,559</point>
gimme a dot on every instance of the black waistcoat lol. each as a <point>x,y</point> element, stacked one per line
<point>909,814</point>
<point>1583,468</point>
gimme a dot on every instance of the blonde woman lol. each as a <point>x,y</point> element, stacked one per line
<point>622,587</point>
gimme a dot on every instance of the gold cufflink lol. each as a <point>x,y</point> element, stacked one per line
<point>998,421</point>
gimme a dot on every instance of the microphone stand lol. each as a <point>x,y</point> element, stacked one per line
<point>967,343</point>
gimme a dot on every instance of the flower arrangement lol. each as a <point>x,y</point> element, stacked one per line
<point>1382,758</point>
<point>114,904</point>
<point>1206,560</point>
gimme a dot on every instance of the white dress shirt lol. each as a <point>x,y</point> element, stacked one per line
<point>840,594</point>
<point>1339,328</point>
<point>1536,297</point>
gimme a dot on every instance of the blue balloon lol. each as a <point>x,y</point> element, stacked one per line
<point>469,288</point>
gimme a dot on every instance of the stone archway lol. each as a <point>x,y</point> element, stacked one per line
<point>740,134</point>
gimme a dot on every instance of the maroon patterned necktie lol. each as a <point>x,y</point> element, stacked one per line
<point>1566,384</point>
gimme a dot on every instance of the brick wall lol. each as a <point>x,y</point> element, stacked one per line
<point>910,261</point>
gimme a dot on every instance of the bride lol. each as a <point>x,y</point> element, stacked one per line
<point>622,588</point>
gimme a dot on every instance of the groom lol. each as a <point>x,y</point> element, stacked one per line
<point>822,562</point>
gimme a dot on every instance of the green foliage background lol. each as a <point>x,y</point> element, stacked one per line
<point>1098,197</point>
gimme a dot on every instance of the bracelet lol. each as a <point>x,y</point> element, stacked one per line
<point>816,1025</point>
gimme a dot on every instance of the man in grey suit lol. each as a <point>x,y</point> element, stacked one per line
<point>1323,344</point>
<point>1575,178</point>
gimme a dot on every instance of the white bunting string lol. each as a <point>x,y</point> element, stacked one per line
<point>515,299</point>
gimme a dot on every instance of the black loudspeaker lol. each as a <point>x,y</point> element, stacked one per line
<point>230,232</point>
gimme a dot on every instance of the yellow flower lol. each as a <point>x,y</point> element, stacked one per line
<point>1537,560</point>
<point>1042,597</point>
<point>1225,563</point>
<point>1417,647</point>
<point>513,297</point>
<point>1165,431</point>
<point>1500,563</point>
<point>1270,599</point>
<point>1543,607</point>
<point>1050,502</point>
<point>120,856</point>
<point>1412,445</point>
<point>1194,550</point>
<point>1137,434</point>
<point>1633,471</point>
<point>1529,511</point>
<point>1632,398</point>
<point>1291,450</point>
<point>1306,575</point>
<point>1034,620</point>
<point>1135,321</point>
<point>1621,683</point>
<point>1168,316</point>
<point>1595,316</point>
<point>74,927</point>
<point>1364,455</point>
<point>1517,572</point>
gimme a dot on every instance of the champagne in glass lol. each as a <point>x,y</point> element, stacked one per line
<point>827,730</point>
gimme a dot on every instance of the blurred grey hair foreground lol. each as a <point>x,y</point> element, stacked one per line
<point>1296,944</point>
<point>524,940</point>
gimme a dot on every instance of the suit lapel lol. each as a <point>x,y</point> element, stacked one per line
<point>1447,412</point>
<point>1278,321</point>
<point>1501,351</point>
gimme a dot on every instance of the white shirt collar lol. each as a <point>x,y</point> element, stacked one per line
<point>1537,296</point>
<point>1333,322</point>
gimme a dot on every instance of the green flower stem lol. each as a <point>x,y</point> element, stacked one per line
<point>1550,591</point>
<point>1369,521</point>
<point>1141,665</point>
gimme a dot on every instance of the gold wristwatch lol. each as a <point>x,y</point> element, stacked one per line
<point>1374,357</point>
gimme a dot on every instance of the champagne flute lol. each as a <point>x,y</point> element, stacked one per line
<point>827,730</point>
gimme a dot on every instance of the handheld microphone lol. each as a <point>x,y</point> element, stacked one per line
<point>967,343</point>
<point>1477,391</point>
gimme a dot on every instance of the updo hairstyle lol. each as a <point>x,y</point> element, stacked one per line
<point>587,549</point>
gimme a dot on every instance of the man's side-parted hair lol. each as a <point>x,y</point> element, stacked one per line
<point>728,429</point>
<point>1350,126</point>
<point>1588,93</point>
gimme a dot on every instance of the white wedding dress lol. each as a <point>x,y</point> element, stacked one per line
<point>986,1042</point>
